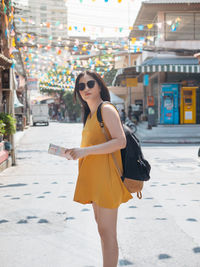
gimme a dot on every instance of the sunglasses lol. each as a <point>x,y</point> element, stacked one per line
<point>90,84</point>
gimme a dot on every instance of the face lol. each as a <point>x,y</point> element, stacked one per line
<point>90,88</point>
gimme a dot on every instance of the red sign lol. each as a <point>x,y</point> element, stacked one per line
<point>150,101</point>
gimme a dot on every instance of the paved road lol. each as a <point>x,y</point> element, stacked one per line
<point>41,226</point>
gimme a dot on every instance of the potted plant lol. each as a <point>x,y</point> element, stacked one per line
<point>10,123</point>
<point>2,130</point>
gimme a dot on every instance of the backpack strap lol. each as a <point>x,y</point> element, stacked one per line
<point>100,119</point>
<point>99,116</point>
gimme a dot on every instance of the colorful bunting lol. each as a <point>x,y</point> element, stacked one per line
<point>149,26</point>
<point>140,27</point>
<point>133,40</point>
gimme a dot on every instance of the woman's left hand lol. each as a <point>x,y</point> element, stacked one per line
<point>76,153</point>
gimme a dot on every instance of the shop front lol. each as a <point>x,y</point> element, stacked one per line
<point>174,83</point>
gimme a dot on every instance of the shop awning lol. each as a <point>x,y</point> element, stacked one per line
<point>129,72</point>
<point>174,64</point>
<point>116,99</point>
<point>43,98</point>
<point>17,103</point>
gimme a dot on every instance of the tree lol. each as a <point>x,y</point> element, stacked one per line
<point>73,109</point>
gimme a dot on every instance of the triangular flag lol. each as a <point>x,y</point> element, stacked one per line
<point>149,26</point>
<point>133,40</point>
<point>141,27</point>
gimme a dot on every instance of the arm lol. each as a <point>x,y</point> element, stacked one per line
<point>118,140</point>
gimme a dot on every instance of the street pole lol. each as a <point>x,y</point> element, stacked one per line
<point>145,100</point>
<point>12,112</point>
<point>129,51</point>
<point>129,64</point>
<point>159,91</point>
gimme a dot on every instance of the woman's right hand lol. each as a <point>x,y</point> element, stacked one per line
<point>76,153</point>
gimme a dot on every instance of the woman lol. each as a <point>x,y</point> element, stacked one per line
<point>98,181</point>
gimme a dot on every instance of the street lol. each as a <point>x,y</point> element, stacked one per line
<point>41,225</point>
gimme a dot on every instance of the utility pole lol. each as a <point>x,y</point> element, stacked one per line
<point>12,112</point>
<point>129,52</point>
<point>129,64</point>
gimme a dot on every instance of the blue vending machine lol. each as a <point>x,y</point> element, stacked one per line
<point>169,104</point>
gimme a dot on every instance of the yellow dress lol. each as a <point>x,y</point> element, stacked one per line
<point>98,179</point>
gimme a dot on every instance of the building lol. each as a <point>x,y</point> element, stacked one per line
<point>167,68</point>
<point>43,19</point>
<point>126,71</point>
<point>6,86</point>
<point>41,28</point>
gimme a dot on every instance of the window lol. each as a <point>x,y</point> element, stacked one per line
<point>44,15</point>
<point>43,30</point>
<point>43,8</point>
<point>42,20</point>
<point>183,26</point>
<point>197,26</point>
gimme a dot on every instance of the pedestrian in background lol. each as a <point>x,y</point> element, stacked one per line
<point>130,112</point>
<point>123,116</point>
<point>98,180</point>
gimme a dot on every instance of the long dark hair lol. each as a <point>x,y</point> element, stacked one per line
<point>105,95</point>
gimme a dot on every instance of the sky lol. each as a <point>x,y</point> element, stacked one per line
<point>101,18</point>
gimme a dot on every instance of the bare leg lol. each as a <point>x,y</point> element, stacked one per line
<point>95,215</point>
<point>107,226</point>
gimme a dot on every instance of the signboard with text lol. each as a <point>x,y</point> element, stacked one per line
<point>131,82</point>
<point>32,84</point>
<point>146,80</point>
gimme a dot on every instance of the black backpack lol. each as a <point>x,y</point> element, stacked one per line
<point>136,169</point>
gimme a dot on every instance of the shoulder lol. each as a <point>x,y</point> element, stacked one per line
<point>109,112</point>
<point>108,108</point>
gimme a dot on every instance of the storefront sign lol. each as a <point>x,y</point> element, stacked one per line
<point>146,80</point>
<point>150,101</point>
<point>32,84</point>
<point>131,82</point>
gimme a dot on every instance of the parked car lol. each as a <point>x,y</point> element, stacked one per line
<point>40,114</point>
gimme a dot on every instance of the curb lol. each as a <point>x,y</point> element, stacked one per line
<point>169,142</point>
<point>20,135</point>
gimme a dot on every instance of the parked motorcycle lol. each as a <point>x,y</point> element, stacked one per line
<point>131,125</point>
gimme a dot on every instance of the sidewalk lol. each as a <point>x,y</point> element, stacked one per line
<point>5,158</point>
<point>168,134</point>
<point>19,135</point>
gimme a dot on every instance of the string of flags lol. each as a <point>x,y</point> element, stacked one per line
<point>106,1</point>
<point>32,44</point>
<point>174,25</point>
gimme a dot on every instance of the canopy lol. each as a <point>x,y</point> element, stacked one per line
<point>43,99</point>
<point>115,99</point>
<point>17,103</point>
<point>170,64</point>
